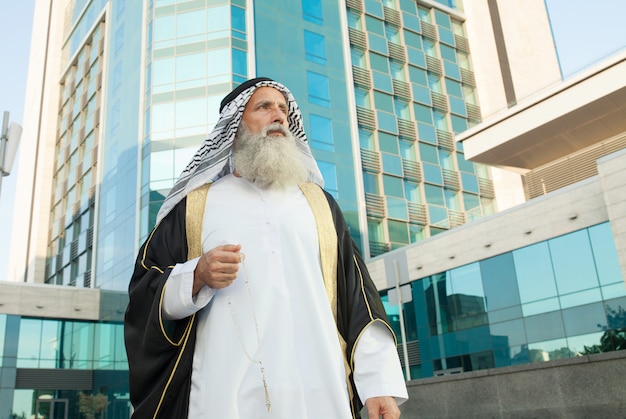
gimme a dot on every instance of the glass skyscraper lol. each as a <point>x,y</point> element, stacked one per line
<point>383,87</point>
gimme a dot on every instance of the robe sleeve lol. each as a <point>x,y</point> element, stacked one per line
<point>159,352</point>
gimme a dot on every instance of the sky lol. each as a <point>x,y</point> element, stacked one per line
<point>16,22</point>
<point>584,33</point>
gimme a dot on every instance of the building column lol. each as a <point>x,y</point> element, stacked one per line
<point>613,180</point>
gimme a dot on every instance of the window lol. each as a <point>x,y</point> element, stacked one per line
<point>392,164</point>
<point>374,25</point>
<point>370,183</point>
<point>240,62</point>
<point>379,63</point>
<point>362,98</point>
<point>357,57</point>
<point>322,133</point>
<point>329,173</point>
<point>354,20</point>
<point>319,93</point>
<point>383,102</point>
<point>314,47</point>
<point>397,70</point>
<point>429,48</point>
<point>393,186</point>
<point>392,34</point>
<point>238,17</point>
<point>366,139</point>
<point>312,11</point>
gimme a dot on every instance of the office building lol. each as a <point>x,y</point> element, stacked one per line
<point>542,280</point>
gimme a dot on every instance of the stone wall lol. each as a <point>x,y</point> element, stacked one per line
<point>582,387</point>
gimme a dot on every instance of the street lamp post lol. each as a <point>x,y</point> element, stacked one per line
<point>9,140</point>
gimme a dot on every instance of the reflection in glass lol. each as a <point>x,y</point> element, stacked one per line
<point>573,262</point>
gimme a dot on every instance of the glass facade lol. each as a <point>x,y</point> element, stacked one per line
<point>551,300</point>
<point>196,52</point>
<point>414,88</point>
<point>301,44</point>
<point>63,368</point>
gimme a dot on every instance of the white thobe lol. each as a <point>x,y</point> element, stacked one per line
<point>286,300</point>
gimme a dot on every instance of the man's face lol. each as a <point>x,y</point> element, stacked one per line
<point>266,106</point>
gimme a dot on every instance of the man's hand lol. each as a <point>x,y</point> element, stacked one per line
<point>385,407</point>
<point>217,268</point>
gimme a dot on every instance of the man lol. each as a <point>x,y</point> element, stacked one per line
<point>249,299</point>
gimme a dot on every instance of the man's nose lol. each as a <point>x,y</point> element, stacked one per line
<point>279,116</point>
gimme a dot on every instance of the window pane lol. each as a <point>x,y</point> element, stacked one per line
<point>319,93</point>
<point>315,48</point>
<point>573,262</point>
<point>322,133</point>
<point>312,11</point>
<point>392,164</point>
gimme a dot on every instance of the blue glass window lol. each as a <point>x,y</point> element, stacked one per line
<point>411,38</point>
<point>416,57</point>
<point>397,209</point>
<point>417,75</point>
<point>432,174</point>
<point>329,173</point>
<point>441,18</point>
<point>362,98</point>
<point>457,106</point>
<point>423,113</point>
<point>374,7</point>
<point>573,262</point>
<point>458,125</point>
<point>428,153</point>
<point>322,133</point>
<point>398,232</point>
<point>240,62</point>
<point>421,94</point>
<point>469,182</point>
<point>387,122</point>
<point>377,43</point>
<point>434,195</point>
<point>370,183</point>
<point>238,17</point>
<point>382,82</point>
<point>319,93</point>
<point>451,70</point>
<point>392,164</point>
<point>604,254</point>
<point>383,102</point>
<point>446,36</point>
<point>388,143</point>
<point>454,88</point>
<point>464,165</point>
<point>374,25</point>
<point>393,186</point>
<point>427,133</point>
<point>314,47</point>
<point>312,11</point>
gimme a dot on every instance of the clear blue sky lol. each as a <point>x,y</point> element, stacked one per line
<point>16,17</point>
<point>584,32</point>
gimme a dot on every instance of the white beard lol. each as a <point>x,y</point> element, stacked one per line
<point>270,161</point>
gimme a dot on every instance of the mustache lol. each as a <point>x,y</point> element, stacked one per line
<point>275,127</point>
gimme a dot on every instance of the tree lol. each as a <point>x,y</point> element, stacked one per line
<point>91,405</point>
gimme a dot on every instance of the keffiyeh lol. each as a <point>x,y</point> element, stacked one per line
<point>213,159</point>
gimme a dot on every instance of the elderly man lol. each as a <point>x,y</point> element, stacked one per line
<point>249,299</point>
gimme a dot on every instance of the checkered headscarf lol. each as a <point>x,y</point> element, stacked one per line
<point>213,159</point>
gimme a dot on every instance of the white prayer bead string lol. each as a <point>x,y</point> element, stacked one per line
<point>268,402</point>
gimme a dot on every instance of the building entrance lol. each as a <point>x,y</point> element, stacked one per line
<point>51,409</point>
